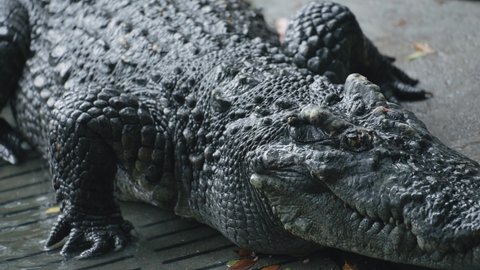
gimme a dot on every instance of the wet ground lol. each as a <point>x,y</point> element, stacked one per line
<point>164,241</point>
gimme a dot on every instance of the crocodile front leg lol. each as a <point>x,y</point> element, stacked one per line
<point>83,167</point>
<point>10,144</point>
<point>91,134</point>
<point>326,38</point>
<point>14,50</point>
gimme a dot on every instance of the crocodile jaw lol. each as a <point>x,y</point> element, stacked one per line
<point>320,214</point>
<point>372,181</point>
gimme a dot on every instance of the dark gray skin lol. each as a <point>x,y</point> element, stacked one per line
<point>195,106</point>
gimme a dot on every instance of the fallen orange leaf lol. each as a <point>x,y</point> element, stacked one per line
<point>421,50</point>
<point>244,252</point>
<point>348,266</point>
<point>271,267</point>
<point>423,47</point>
<point>400,23</point>
<point>243,264</point>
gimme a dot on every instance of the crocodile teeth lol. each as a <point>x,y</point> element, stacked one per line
<point>355,216</point>
<point>371,213</point>
<point>408,224</point>
<point>421,242</point>
<point>384,215</point>
<point>362,211</point>
<point>365,225</point>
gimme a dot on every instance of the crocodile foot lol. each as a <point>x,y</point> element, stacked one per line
<point>326,39</point>
<point>401,86</point>
<point>89,235</point>
<point>10,144</point>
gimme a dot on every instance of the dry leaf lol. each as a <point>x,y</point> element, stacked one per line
<point>348,266</point>
<point>245,253</point>
<point>421,50</point>
<point>53,210</point>
<point>415,56</point>
<point>242,264</point>
<point>271,267</point>
<point>231,263</point>
<point>400,23</point>
<point>423,47</point>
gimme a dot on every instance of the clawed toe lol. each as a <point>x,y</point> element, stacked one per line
<point>101,244</point>
<point>59,231</point>
<point>399,85</point>
<point>10,144</point>
<point>89,236</point>
<point>73,245</point>
<point>404,91</point>
<point>105,241</point>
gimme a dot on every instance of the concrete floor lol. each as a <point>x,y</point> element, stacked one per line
<point>452,73</point>
<point>166,242</point>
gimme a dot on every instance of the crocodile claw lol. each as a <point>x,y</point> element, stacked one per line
<point>7,154</point>
<point>403,87</point>
<point>402,91</point>
<point>10,144</point>
<point>90,235</point>
<point>59,231</point>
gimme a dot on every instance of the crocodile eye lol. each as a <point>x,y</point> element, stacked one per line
<point>356,140</point>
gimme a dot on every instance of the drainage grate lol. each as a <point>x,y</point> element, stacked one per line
<point>164,241</point>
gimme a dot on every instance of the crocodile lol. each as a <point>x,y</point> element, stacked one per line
<point>196,106</point>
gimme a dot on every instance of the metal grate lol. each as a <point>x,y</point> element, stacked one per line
<point>163,241</point>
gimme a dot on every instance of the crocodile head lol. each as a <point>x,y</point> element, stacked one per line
<point>365,175</point>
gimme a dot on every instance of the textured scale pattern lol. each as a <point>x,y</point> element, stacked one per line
<point>321,40</point>
<point>196,106</point>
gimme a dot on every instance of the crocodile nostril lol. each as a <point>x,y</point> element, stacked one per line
<point>357,106</point>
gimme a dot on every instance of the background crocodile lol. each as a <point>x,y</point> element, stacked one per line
<point>304,125</point>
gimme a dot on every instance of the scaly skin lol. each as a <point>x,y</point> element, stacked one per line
<point>195,106</point>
